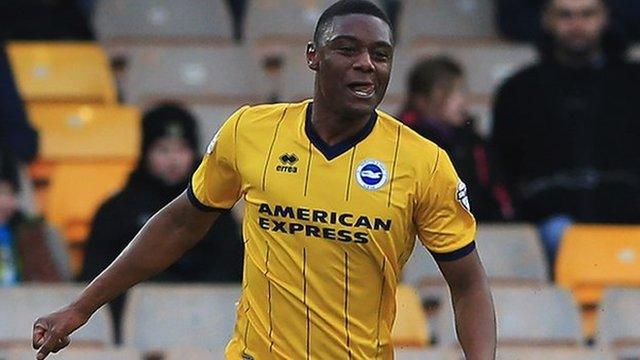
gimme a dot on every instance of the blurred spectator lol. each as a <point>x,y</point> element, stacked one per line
<point>567,128</point>
<point>169,156</point>
<point>43,20</point>
<point>16,133</point>
<point>520,19</point>
<point>437,110</point>
<point>30,250</point>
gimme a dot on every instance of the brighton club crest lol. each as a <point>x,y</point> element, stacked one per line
<point>371,174</point>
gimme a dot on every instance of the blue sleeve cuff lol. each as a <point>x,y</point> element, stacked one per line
<point>455,255</point>
<point>196,203</point>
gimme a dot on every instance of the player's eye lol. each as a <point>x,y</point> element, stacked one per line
<point>381,55</point>
<point>347,49</point>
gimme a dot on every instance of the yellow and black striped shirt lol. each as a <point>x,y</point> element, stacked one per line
<point>327,228</point>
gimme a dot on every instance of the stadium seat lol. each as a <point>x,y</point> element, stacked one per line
<point>193,353</point>
<point>486,64</point>
<point>162,21</point>
<point>193,74</point>
<point>62,72</point>
<point>75,192</point>
<point>526,316</point>
<point>427,354</point>
<point>181,311</point>
<point>210,118</point>
<point>510,353</point>
<point>592,257</point>
<point>284,21</point>
<point>94,132</point>
<point>618,324</point>
<point>551,353</point>
<point>77,353</point>
<point>410,327</point>
<point>512,254</point>
<point>468,19</point>
<point>20,306</point>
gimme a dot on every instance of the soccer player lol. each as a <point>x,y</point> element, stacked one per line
<point>335,193</point>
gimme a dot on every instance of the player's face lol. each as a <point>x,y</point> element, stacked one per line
<point>353,64</point>
<point>170,159</point>
<point>576,25</point>
<point>8,202</point>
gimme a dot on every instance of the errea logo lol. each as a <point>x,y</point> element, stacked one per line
<point>287,162</point>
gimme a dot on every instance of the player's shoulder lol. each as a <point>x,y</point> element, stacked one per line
<point>267,114</point>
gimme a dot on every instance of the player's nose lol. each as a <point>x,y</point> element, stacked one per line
<point>364,62</point>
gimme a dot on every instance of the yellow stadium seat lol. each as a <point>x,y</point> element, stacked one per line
<point>70,131</point>
<point>410,328</point>
<point>592,257</point>
<point>62,71</point>
<point>76,191</point>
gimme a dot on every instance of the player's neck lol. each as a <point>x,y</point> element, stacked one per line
<point>334,128</point>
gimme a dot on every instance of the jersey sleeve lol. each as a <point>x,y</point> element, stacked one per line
<point>216,184</point>
<point>443,218</point>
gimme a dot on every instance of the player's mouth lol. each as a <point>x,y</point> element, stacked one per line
<point>362,90</point>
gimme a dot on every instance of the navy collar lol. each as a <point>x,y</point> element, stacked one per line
<point>331,152</point>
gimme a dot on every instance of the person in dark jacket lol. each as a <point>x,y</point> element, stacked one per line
<point>30,249</point>
<point>16,134</point>
<point>520,19</point>
<point>567,129</point>
<point>169,156</point>
<point>437,110</point>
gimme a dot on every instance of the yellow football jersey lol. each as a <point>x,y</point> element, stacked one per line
<point>328,229</point>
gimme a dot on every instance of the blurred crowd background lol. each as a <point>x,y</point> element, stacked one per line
<point>106,107</point>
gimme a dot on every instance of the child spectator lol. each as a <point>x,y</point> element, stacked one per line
<point>30,250</point>
<point>436,108</point>
<point>169,156</point>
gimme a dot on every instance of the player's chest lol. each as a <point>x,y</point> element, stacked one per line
<point>364,178</point>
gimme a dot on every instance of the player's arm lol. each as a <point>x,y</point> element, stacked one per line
<point>472,305</point>
<point>447,228</point>
<point>166,236</point>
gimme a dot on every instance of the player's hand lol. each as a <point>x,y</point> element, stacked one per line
<point>51,332</point>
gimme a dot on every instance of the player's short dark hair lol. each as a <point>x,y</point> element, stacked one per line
<point>347,7</point>
<point>432,72</point>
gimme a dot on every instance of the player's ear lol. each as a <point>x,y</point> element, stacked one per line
<point>312,58</point>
